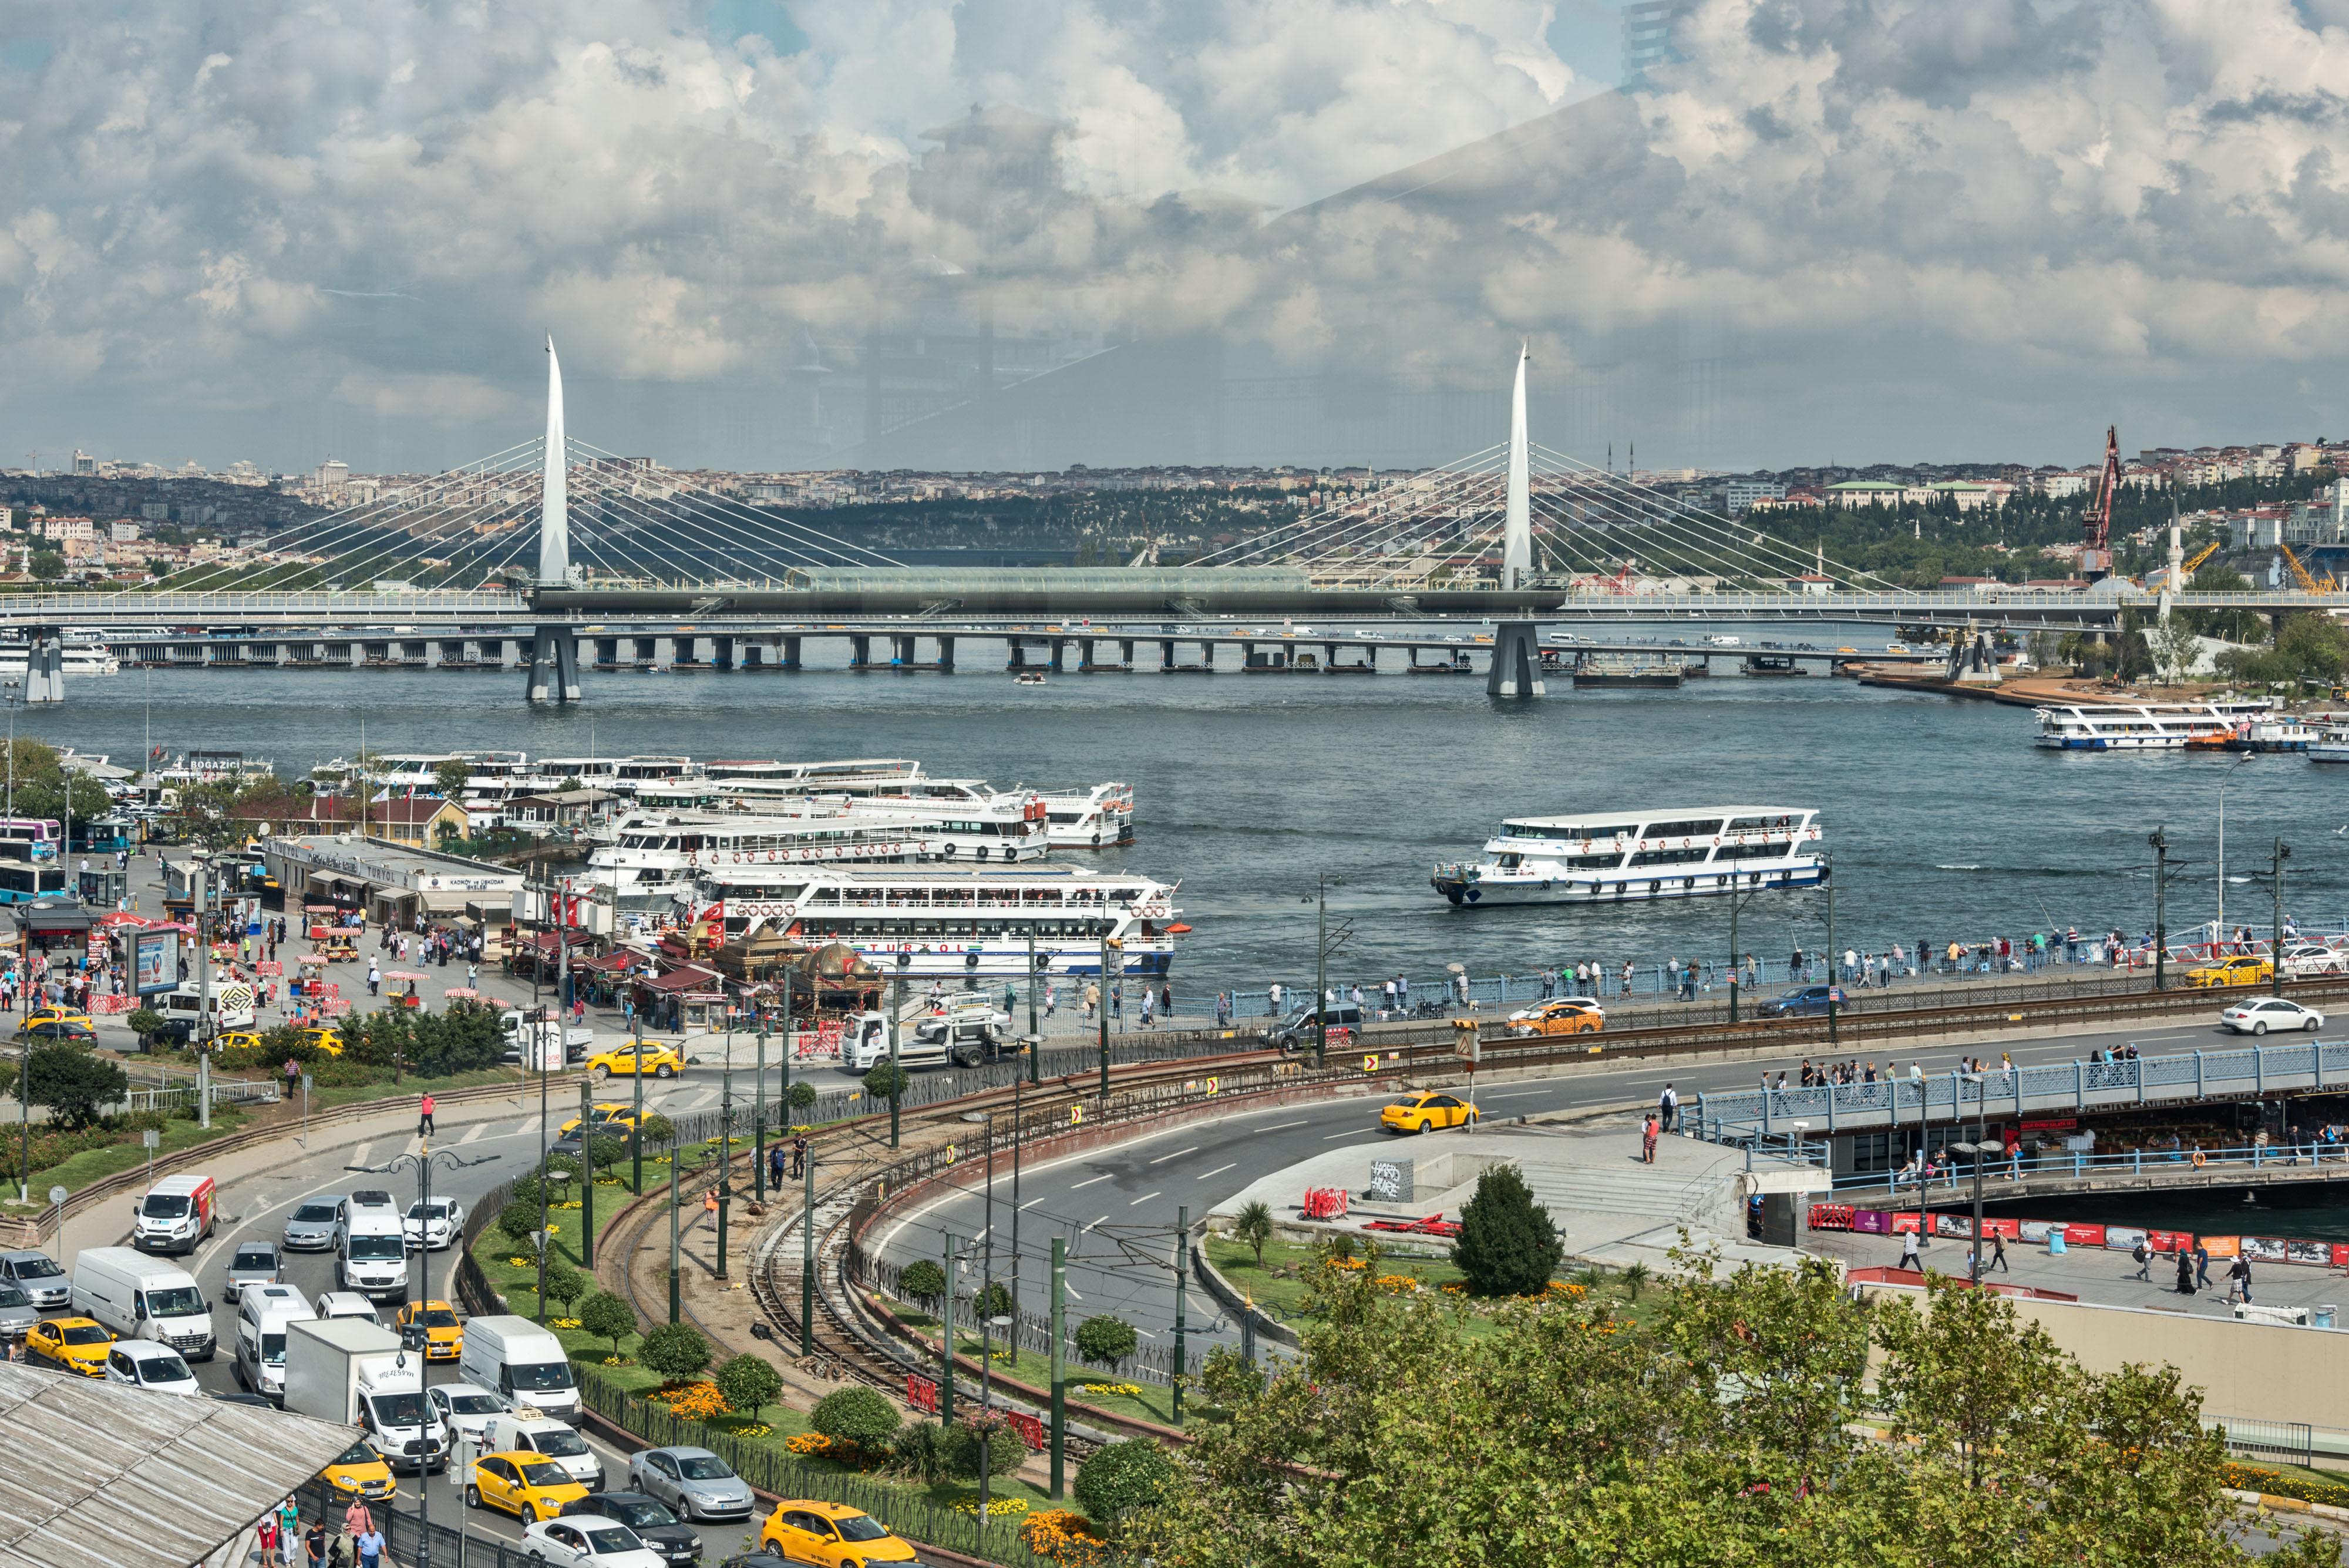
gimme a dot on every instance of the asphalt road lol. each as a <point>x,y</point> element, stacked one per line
<point>1118,1207</point>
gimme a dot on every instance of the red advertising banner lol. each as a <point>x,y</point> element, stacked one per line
<point>1903,1222</point>
<point>921,1393</point>
<point>2010,1228</point>
<point>272,967</point>
<point>2170,1240</point>
<point>1031,1430</point>
<point>2084,1235</point>
<point>1831,1216</point>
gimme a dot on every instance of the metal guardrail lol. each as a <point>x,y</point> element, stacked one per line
<point>2293,1442</point>
<point>2136,1162</point>
<point>229,1091</point>
<point>1954,1094</point>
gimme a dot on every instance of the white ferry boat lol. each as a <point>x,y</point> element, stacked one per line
<point>655,857</point>
<point>954,921</point>
<point>2331,746</point>
<point>1088,819</point>
<point>1677,854</point>
<point>2144,726</point>
<point>73,658</point>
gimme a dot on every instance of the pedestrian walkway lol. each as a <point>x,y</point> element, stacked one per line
<point>2093,1275</point>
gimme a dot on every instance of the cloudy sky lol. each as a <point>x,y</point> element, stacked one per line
<point>770,234</point>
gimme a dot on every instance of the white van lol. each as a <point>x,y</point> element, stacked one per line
<point>140,1298</point>
<point>177,1214</point>
<point>372,1257</point>
<point>521,1361</point>
<point>260,1323</point>
<point>532,1433</point>
<point>184,1008</point>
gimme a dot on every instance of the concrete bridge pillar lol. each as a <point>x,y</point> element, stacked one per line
<point>554,666</point>
<point>945,655</point>
<point>1166,656</point>
<point>1517,661</point>
<point>607,653</point>
<point>45,676</point>
<point>1060,655</point>
<point>754,658</point>
<point>1085,654</point>
<point>901,652</point>
<point>647,649</point>
<point>860,651</point>
<point>1125,651</point>
<point>791,646</point>
<point>722,652</point>
<point>682,650</point>
<point>1015,653</point>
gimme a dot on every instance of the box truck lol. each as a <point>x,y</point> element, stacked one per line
<point>351,1371</point>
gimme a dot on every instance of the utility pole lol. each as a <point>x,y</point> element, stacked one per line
<point>202,891</point>
<point>896,1079</point>
<point>1182,1279</point>
<point>2160,839</point>
<point>725,1137</point>
<point>759,1123</point>
<point>1321,986</point>
<point>1017,1107</point>
<point>1035,1040</point>
<point>636,1129</point>
<point>676,1299</point>
<point>783,1072</point>
<point>586,1176</point>
<point>807,1262</point>
<point>947,1340</point>
<point>1835,959</point>
<point>1102,1011</point>
<point>2275,932</point>
<point>1060,1360</point>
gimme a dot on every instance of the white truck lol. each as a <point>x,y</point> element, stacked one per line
<point>139,1297</point>
<point>346,1370</point>
<point>532,1042</point>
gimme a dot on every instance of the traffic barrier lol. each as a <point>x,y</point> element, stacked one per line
<point>1325,1202</point>
<point>2110,1238</point>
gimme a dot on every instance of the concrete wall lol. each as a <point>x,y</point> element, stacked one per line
<point>2273,1372</point>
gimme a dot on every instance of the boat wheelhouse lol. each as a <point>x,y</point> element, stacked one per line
<point>940,921</point>
<point>1624,856</point>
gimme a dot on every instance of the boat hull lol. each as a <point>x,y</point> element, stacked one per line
<point>1481,891</point>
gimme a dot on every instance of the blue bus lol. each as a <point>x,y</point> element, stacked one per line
<point>21,882</point>
<point>103,835</point>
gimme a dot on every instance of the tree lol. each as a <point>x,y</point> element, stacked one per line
<point>44,786</point>
<point>1737,1422</point>
<point>918,1451</point>
<point>678,1351</point>
<point>73,1083</point>
<point>888,1082</point>
<point>656,1130</point>
<point>1122,1477</point>
<point>1253,1228</point>
<point>518,1218</point>
<point>47,565</point>
<point>565,1284</point>
<point>450,777</point>
<point>1105,1340</point>
<point>991,1445</point>
<point>607,1316</point>
<point>995,1300</point>
<point>800,1095</point>
<point>1634,1277</point>
<point>748,1383</point>
<point>143,1022</point>
<point>861,1415</point>
<point>922,1280</point>
<point>1229,1378</point>
<point>1506,1246</point>
<point>605,1150</point>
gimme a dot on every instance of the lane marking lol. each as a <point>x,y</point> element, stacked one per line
<point>1520,1095</point>
<point>1090,1224</point>
<point>1176,1154</point>
<point>1031,1204</point>
<point>1278,1126</point>
<point>359,1155</point>
<point>1103,1177</point>
<point>1349,1132</point>
<point>1140,1200</point>
<point>1217,1171</point>
<point>473,1133</point>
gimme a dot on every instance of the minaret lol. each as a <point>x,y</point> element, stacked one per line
<point>2173,584</point>
<point>1517,534</point>
<point>554,525</point>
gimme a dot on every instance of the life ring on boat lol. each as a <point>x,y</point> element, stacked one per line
<point>791,911</point>
<point>2199,1161</point>
<point>1096,840</point>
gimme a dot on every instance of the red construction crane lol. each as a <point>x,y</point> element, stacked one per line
<point>2097,552</point>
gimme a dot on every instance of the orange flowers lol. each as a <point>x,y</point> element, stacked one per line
<point>1065,1536</point>
<point>693,1401</point>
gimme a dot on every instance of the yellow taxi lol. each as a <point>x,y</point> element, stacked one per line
<point>2243,968</point>
<point>606,1117</point>
<point>444,1336</point>
<point>1425,1112</point>
<point>238,1040</point>
<point>830,1535</point>
<point>58,1015</point>
<point>1559,1017</point>
<point>361,1472</point>
<point>70,1345</point>
<point>527,1485</point>
<point>655,1056</point>
<point>320,1038</point>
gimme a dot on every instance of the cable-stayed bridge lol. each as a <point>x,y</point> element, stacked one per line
<point>558,545</point>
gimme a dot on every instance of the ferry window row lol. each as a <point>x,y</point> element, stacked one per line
<point>915,931</point>
<point>1671,857</point>
<point>1761,824</point>
<point>1704,827</point>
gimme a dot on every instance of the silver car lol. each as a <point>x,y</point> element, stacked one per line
<point>694,1481</point>
<point>466,1407</point>
<point>38,1276</point>
<point>311,1227</point>
<point>17,1311</point>
<point>252,1263</point>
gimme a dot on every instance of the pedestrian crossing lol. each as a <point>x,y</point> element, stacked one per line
<point>473,1133</point>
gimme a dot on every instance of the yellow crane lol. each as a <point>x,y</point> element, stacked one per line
<point>2325,584</point>
<point>2200,555</point>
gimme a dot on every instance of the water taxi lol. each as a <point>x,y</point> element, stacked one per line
<point>937,923</point>
<point>2331,746</point>
<point>1677,854</point>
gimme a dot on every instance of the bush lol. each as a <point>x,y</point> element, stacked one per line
<point>800,1095</point>
<point>888,1082</point>
<point>861,1415</point>
<point>1506,1246</point>
<point>918,1451</point>
<point>748,1383</point>
<point>607,1316</point>
<point>993,1446</point>
<point>518,1218</point>
<point>922,1280</point>
<point>605,1150</point>
<point>1105,1340</point>
<point>564,1283</point>
<point>144,1021</point>
<point>1229,1379</point>
<point>995,1300</point>
<point>1121,1477</point>
<point>676,1350</point>
<point>72,1084</point>
<point>656,1130</point>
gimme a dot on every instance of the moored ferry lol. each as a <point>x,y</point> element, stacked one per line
<point>653,857</point>
<point>1677,854</point>
<point>954,921</point>
<point>2147,726</point>
<point>2331,746</point>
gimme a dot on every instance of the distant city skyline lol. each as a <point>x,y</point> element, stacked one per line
<point>772,237</point>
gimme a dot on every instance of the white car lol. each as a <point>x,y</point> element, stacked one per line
<point>1527,1014</point>
<point>433,1228</point>
<point>2314,958</point>
<point>2257,1015</point>
<point>143,1363</point>
<point>347,1304</point>
<point>466,1407</point>
<point>586,1541</point>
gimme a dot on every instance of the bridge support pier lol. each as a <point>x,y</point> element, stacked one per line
<point>945,656</point>
<point>791,646</point>
<point>1060,656</point>
<point>901,652</point>
<point>44,678</point>
<point>722,652</point>
<point>754,658</point>
<point>1517,661</point>
<point>607,653</point>
<point>682,652</point>
<point>554,665</point>
<point>860,652</point>
<point>1015,653</point>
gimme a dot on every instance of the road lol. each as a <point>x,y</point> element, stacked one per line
<point>1117,1207</point>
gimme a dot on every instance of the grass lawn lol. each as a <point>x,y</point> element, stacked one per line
<point>1282,1285</point>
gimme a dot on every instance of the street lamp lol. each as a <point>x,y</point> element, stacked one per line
<point>2218,932</point>
<point>549,1178</point>
<point>1977,1153</point>
<point>423,1162</point>
<point>1739,901</point>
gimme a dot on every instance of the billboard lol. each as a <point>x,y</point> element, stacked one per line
<point>155,961</point>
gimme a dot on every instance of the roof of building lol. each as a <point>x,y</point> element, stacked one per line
<point>101,1474</point>
<point>338,809</point>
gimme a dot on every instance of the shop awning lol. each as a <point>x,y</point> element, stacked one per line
<point>693,978</point>
<point>49,916</point>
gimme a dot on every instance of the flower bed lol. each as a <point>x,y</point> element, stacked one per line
<point>2284,1483</point>
<point>1065,1536</point>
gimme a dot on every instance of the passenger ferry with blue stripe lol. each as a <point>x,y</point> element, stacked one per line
<point>1685,853</point>
<point>2147,726</point>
